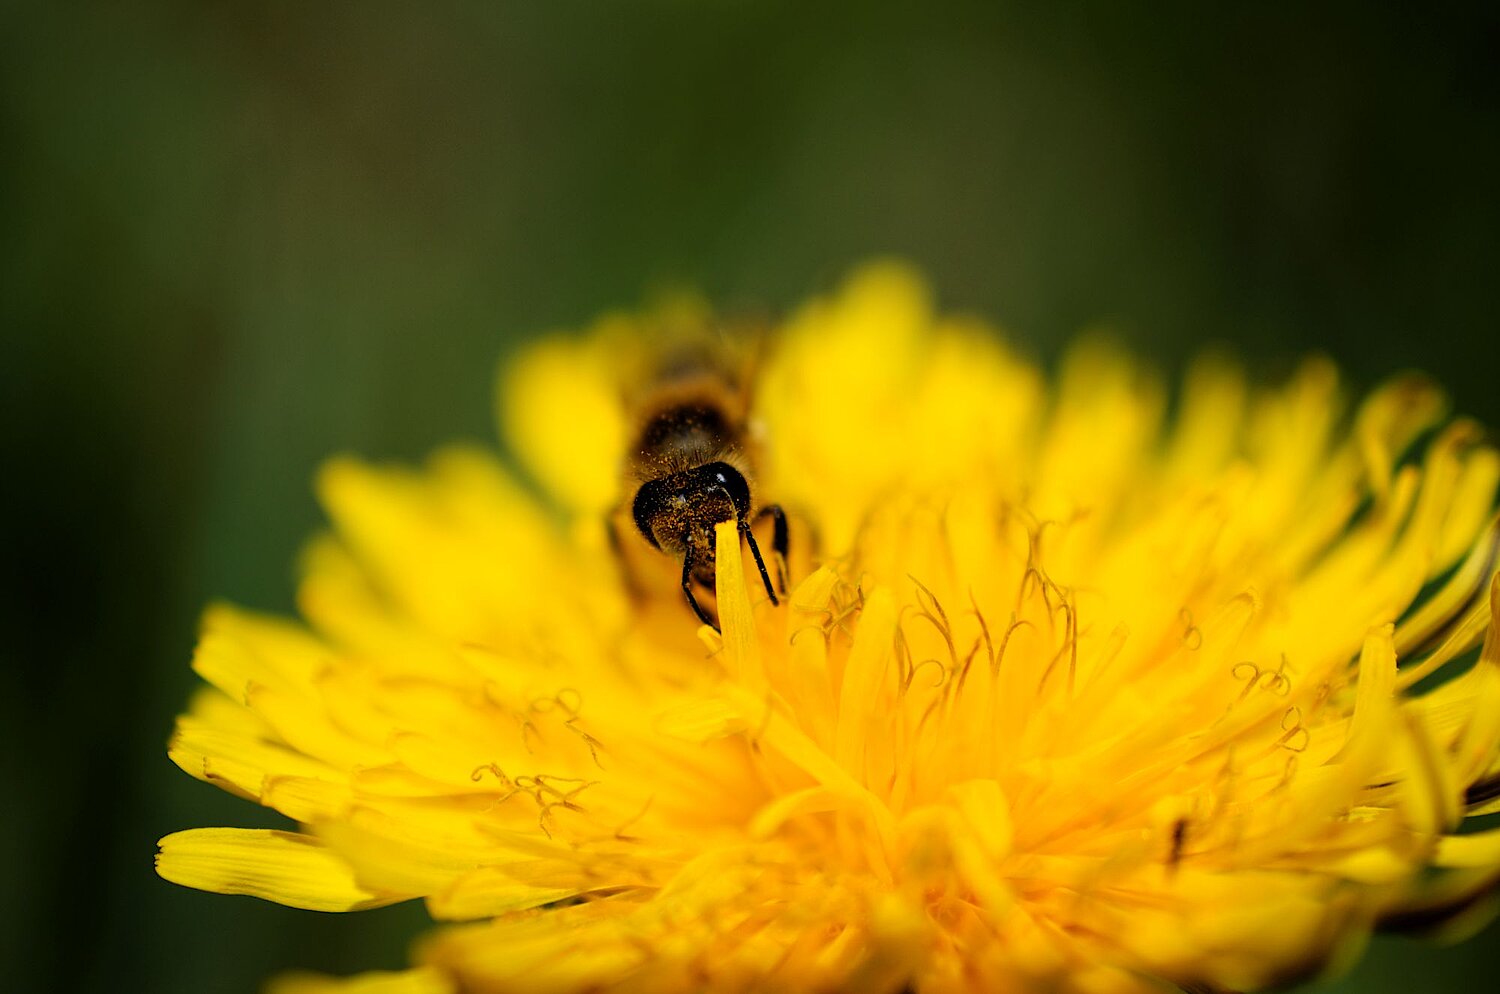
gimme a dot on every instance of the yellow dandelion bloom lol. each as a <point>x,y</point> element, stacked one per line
<point>1066,693</point>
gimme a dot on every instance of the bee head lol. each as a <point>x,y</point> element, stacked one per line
<point>681,510</point>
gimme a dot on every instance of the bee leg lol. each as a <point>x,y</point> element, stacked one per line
<point>759,562</point>
<point>780,541</point>
<point>687,588</point>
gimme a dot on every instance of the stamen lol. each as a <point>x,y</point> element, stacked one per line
<point>493,769</point>
<point>1249,671</point>
<point>570,700</point>
<point>999,656</point>
<point>594,744</point>
<point>1069,647</point>
<point>528,730</point>
<point>619,832</point>
<point>1297,736</point>
<point>822,631</point>
<point>984,628</point>
<point>932,611</point>
<point>942,677</point>
<point>1278,683</point>
<point>963,673</point>
<point>1192,635</point>
<point>902,651</point>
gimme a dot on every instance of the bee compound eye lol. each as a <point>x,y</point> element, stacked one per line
<point>647,505</point>
<point>734,484</point>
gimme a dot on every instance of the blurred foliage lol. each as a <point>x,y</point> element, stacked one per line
<point>240,237</point>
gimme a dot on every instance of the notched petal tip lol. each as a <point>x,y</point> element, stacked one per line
<point>284,867</point>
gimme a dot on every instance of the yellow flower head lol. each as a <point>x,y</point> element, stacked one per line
<point>1064,695</point>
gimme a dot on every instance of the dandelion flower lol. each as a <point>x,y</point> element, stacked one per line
<point>1067,693</point>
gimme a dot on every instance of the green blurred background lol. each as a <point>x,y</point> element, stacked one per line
<point>239,237</point>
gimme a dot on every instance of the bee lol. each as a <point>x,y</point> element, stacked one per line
<point>690,463</point>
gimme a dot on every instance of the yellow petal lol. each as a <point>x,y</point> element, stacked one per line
<point>295,870</point>
<point>458,549</point>
<point>1476,748</point>
<point>983,805</point>
<point>1473,503</point>
<point>306,799</point>
<point>699,721</point>
<point>238,648</point>
<point>811,800</point>
<point>304,723</point>
<point>1455,596</point>
<point>545,394</point>
<point>865,674</point>
<point>423,980</point>
<point>1480,850</point>
<point>488,892</point>
<point>392,853</point>
<point>1390,418</point>
<point>1213,401</point>
<point>741,650</point>
<point>218,752</point>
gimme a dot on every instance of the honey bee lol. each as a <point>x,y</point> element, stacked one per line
<point>690,464</point>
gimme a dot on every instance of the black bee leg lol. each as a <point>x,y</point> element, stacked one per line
<point>687,588</point>
<point>759,562</point>
<point>780,541</point>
